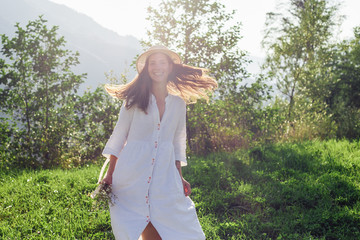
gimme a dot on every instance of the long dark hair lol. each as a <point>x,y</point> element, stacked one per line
<point>188,82</point>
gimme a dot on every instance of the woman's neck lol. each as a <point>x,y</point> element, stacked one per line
<point>159,91</point>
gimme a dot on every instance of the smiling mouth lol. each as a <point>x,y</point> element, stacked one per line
<point>159,74</point>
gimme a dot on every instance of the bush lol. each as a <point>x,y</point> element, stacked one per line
<point>228,123</point>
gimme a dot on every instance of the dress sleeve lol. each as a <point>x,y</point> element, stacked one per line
<point>180,137</point>
<point>119,135</point>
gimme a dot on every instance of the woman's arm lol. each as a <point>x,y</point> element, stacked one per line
<point>180,135</point>
<point>186,184</point>
<point>180,146</point>
<point>120,133</point>
<point>117,140</point>
<point>108,178</point>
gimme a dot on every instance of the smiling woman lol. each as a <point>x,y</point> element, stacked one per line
<point>187,82</point>
<point>148,148</point>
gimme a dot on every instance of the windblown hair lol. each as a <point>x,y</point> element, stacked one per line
<point>190,83</point>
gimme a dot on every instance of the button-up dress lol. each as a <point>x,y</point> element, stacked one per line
<point>146,183</point>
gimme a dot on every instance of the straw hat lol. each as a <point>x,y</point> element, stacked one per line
<point>140,62</point>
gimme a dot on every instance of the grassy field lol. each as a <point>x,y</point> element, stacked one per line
<point>307,190</point>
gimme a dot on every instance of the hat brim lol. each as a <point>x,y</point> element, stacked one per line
<point>140,62</point>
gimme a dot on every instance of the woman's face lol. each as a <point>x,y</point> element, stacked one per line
<point>159,67</point>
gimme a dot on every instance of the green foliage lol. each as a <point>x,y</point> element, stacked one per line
<point>38,92</point>
<point>51,125</point>
<point>96,114</point>
<point>7,156</point>
<point>318,77</point>
<point>311,121</point>
<point>298,41</point>
<point>227,125</point>
<point>201,31</point>
<point>304,191</point>
<point>344,98</point>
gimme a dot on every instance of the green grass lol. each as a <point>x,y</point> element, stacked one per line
<point>307,190</point>
<point>51,204</point>
<point>284,191</point>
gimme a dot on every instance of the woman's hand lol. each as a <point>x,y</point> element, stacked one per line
<point>187,187</point>
<point>107,179</point>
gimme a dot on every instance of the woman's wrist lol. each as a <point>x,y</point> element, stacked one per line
<point>178,166</point>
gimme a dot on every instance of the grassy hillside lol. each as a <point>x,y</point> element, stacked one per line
<point>285,191</point>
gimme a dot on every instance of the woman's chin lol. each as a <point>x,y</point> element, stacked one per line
<point>158,80</point>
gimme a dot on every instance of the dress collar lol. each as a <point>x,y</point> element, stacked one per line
<point>153,99</point>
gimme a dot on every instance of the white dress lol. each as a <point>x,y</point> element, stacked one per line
<point>146,183</point>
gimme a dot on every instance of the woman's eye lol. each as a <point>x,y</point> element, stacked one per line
<point>157,63</point>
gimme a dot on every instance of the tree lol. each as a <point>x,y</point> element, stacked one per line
<point>199,31</point>
<point>202,33</point>
<point>39,91</point>
<point>344,97</point>
<point>96,114</point>
<point>298,42</point>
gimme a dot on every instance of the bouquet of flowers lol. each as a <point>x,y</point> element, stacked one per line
<point>103,193</point>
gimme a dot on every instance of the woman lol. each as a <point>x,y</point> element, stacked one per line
<point>147,149</point>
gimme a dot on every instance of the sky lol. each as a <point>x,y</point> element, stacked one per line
<point>128,17</point>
